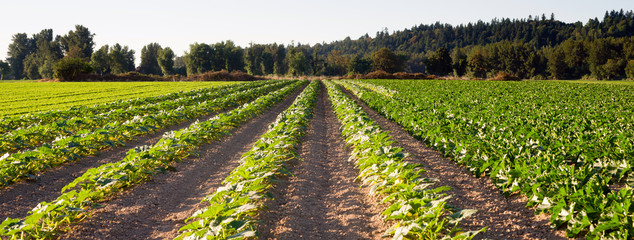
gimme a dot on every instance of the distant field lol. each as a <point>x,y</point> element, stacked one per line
<point>29,97</point>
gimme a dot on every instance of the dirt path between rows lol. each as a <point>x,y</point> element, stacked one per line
<point>19,198</point>
<point>506,218</point>
<point>157,209</point>
<point>321,200</point>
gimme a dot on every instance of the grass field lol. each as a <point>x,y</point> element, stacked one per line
<point>30,97</point>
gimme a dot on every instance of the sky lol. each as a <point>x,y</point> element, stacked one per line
<point>177,24</point>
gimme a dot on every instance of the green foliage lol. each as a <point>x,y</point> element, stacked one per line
<point>629,69</point>
<point>102,182</point>
<point>232,57</point>
<point>101,60</point>
<point>198,60</point>
<point>5,69</point>
<point>566,147</point>
<point>31,64</point>
<point>20,47</point>
<point>416,211</point>
<point>360,65</point>
<point>220,56</point>
<point>149,59</point>
<point>69,69</point>
<point>386,60</point>
<point>439,63</point>
<point>121,59</point>
<point>535,31</point>
<point>43,103</point>
<point>233,208</point>
<point>478,64</point>
<point>459,62</point>
<point>78,43</point>
<point>166,61</point>
<point>297,63</point>
<point>557,66</point>
<point>83,136</point>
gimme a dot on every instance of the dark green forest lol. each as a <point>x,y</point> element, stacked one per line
<point>538,47</point>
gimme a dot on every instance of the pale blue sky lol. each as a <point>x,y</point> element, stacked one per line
<point>179,23</point>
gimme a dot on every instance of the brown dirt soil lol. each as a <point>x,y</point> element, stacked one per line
<point>19,198</point>
<point>158,208</point>
<point>321,199</point>
<point>506,218</point>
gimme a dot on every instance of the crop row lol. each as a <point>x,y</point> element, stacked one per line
<point>418,211</point>
<point>8,124</point>
<point>24,164</point>
<point>567,148</point>
<point>36,135</point>
<point>232,209</point>
<point>97,184</point>
<point>22,98</point>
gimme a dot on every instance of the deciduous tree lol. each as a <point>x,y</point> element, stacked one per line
<point>5,69</point>
<point>78,43</point>
<point>21,46</point>
<point>101,60</point>
<point>388,61</point>
<point>166,61</point>
<point>149,59</point>
<point>439,63</point>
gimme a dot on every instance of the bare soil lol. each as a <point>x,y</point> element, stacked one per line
<point>19,198</point>
<point>506,218</point>
<point>321,200</point>
<point>158,208</point>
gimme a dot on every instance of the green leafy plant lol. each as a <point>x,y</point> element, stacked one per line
<point>233,208</point>
<point>24,164</point>
<point>416,210</point>
<point>566,147</point>
<point>97,184</point>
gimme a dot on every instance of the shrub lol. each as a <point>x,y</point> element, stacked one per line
<point>629,69</point>
<point>502,76</point>
<point>379,74</point>
<point>69,69</point>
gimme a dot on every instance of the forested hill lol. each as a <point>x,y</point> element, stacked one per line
<point>536,48</point>
<point>538,31</point>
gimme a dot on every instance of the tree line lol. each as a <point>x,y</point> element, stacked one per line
<point>538,47</point>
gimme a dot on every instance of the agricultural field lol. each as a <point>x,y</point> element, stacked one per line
<point>331,159</point>
<point>20,98</point>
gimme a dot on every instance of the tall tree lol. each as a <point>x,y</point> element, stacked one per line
<point>166,61</point>
<point>629,69</point>
<point>48,52</point>
<point>122,59</point>
<point>360,65</point>
<point>338,64</point>
<point>21,46</point>
<point>78,43</point>
<point>149,59</point>
<point>268,63</point>
<point>478,64</point>
<point>5,69</point>
<point>232,57</point>
<point>439,63</point>
<point>557,66</point>
<point>297,62</point>
<point>199,58</point>
<point>253,59</point>
<point>279,67</point>
<point>101,60</point>
<point>180,66</point>
<point>459,62</point>
<point>388,61</point>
